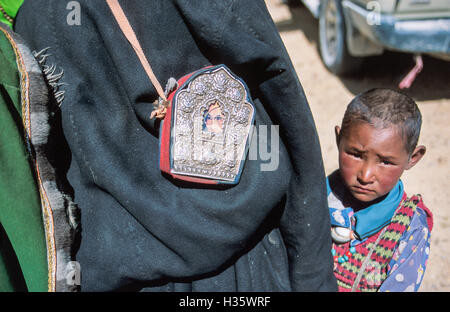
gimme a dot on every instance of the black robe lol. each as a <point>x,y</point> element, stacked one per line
<point>144,231</point>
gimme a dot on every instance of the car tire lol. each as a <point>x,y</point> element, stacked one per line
<point>332,41</point>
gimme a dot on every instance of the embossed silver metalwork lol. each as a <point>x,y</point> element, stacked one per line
<point>212,119</point>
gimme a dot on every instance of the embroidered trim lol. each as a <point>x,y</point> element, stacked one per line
<point>46,211</point>
<point>8,18</point>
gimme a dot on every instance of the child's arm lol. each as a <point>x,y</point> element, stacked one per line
<point>408,264</point>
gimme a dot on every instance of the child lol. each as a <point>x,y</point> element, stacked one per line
<point>380,236</point>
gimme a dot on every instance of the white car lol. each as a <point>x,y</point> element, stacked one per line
<point>352,29</point>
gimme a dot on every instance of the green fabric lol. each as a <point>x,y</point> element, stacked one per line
<point>23,256</point>
<point>10,280</point>
<point>11,8</point>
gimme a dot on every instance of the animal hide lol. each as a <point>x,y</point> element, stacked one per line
<point>40,99</point>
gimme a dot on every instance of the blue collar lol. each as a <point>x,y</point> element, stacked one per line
<point>370,220</point>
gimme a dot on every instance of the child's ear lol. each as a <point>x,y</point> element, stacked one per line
<point>416,155</point>
<point>337,131</point>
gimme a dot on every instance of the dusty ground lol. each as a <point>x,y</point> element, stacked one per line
<point>328,96</point>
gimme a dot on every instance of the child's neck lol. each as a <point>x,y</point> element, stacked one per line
<point>357,205</point>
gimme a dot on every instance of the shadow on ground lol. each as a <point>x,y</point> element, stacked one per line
<point>386,70</point>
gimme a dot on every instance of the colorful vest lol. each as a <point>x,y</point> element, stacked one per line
<point>375,253</point>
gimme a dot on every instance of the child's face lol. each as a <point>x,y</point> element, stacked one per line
<point>372,159</point>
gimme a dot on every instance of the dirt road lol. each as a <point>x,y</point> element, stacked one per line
<point>328,96</point>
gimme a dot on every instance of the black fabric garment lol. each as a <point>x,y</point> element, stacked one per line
<point>143,231</point>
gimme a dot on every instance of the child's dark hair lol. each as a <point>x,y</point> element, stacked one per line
<point>388,107</point>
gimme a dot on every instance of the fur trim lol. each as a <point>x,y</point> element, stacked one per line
<point>60,214</point>
<point>52,75</point>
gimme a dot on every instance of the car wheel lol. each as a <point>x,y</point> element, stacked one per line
<point>332,42</point>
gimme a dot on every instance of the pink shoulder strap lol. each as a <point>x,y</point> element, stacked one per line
<point>127,30</point>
